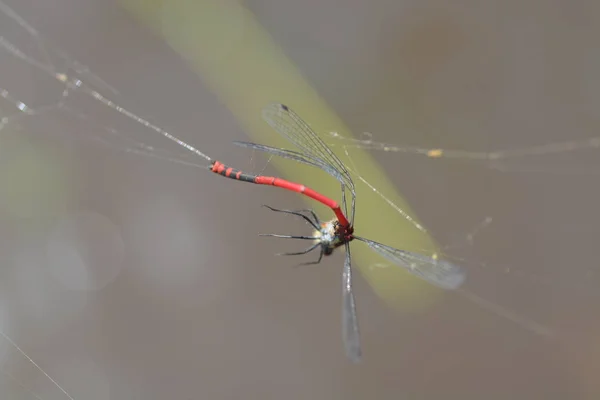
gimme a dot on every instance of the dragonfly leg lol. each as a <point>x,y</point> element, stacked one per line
<point>289,236</point>
<point>315,224</point>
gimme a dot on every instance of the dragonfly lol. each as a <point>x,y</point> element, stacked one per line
<point>338,232</point>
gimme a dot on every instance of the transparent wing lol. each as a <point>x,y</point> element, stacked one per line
<point>289,125</point>
<point>350,334</point>
<point>437,272</point>
<point>292,155</point>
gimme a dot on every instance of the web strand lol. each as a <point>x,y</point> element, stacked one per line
<point>13,344</point>
<point>497,160</point>
<point>74,77</point>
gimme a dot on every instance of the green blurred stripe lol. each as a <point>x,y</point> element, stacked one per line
<point>246,69</point>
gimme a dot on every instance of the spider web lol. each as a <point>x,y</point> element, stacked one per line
<point>65,88</point>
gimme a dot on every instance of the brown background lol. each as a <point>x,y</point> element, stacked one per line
<point>186,301</point>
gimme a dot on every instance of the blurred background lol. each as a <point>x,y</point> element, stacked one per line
<point>141,276</point>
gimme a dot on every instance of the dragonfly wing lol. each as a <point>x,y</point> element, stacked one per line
<point>350,334</point>
<point>289,125</point>
<point>292,155</point>
<point>440,273</point>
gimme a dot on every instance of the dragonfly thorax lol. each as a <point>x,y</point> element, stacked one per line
<point>333,235</point>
